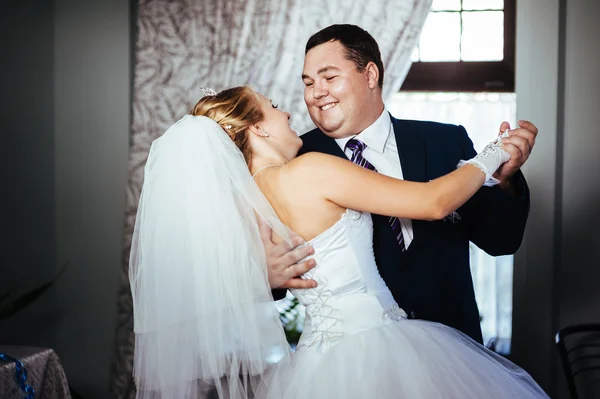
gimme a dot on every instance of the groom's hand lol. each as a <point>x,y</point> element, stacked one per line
<point>282,260</point>
<point>519,145</point>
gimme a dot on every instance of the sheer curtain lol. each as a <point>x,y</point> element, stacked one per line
<point>481,114</point>
<point>182,45</point>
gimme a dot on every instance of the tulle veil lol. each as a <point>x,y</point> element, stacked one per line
<point>203,309</point>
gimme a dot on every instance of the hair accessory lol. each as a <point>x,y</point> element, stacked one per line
<point>227,127</point>
<point>208,91</point>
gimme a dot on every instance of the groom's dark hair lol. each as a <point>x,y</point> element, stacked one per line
<point>359,46</point>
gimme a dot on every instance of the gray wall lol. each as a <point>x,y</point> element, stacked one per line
<point>27,252</point>
<point>557,270</point>
<point>65,135</point>
<point>580,269</point>
<point>578,285</point>
<point>537,87</point>
<point>92,103</point>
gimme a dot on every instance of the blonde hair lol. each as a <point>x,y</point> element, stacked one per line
<point>235,110</point>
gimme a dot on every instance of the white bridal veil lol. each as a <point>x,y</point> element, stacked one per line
<point>203,308</point>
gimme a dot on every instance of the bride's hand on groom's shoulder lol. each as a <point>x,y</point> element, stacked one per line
<point>282,260</point>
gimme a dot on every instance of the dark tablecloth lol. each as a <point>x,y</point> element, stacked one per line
<point>44,373</point>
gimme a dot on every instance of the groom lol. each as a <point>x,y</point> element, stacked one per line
<point>425,264</point>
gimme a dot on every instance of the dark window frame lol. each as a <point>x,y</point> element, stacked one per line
<point>468,76</point>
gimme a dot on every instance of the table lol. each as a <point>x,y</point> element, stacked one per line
<point>44,373</point>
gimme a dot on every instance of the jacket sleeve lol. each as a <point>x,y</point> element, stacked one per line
<point>279,293</point>
<point>495,219</point>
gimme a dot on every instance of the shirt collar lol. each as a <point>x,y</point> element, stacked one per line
<point>375,136</point>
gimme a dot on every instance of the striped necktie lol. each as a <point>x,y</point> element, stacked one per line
<point>357,147</point>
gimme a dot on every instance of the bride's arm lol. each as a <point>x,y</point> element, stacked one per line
<point>352,186</point>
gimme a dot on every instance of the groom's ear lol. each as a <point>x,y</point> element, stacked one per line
<point>372,73</point>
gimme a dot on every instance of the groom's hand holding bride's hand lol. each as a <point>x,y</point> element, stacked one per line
<point>519,145</point>
<point>282,260</point>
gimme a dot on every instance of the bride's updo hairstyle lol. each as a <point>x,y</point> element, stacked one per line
<point>235,110</point>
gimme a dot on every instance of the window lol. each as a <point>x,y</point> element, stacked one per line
<point>463,73</point>
<point>481,114</point>
<point>465,45</point>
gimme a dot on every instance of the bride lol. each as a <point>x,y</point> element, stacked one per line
<point>203,309</point>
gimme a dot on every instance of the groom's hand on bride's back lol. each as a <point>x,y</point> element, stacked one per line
<point>282,260</point>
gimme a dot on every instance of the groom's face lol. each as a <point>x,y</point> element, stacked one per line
<point>334,90</point>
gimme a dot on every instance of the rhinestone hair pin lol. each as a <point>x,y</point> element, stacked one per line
<point>208,91</point>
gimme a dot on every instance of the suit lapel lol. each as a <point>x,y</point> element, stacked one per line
<point>328,145</point>
<point>412,151</point>
<point>413,160</point>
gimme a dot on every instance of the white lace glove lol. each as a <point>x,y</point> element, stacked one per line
<point>490,159</point>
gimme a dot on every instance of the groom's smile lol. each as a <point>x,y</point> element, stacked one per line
<point>328,106</point>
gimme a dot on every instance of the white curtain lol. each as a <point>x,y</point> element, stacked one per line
<point>182,45</point>
<point>481,114</point>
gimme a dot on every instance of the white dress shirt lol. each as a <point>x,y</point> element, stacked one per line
<point>382,153</point>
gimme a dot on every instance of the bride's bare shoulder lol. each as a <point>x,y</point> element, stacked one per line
<point>314,169</point>
<point>313,162</point>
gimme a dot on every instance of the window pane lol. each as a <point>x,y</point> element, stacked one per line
<point>445,5</point>
<point>483,36</point>
<point>483,4</point>
<point>440,38</point>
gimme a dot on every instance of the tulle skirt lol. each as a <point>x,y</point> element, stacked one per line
<point>408,359</point>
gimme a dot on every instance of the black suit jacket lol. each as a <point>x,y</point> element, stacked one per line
<point>432,280</point>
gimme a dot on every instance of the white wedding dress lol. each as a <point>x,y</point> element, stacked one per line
<point>203,311</point>
<point>357,343</point>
